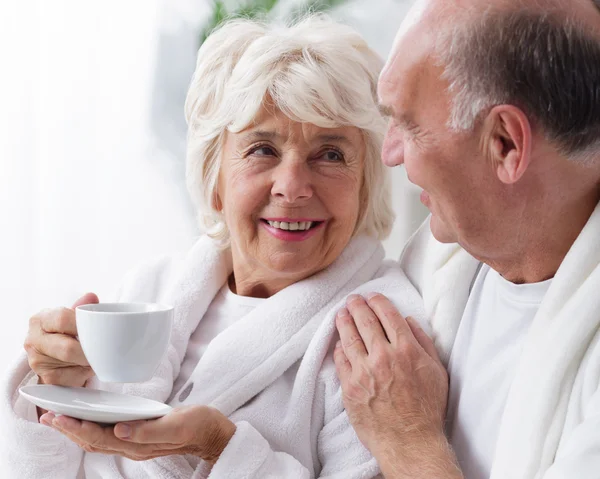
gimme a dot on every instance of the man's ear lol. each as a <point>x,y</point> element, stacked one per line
<point>508,142</point>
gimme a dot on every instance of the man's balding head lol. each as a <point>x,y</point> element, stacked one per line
<point>488,102</point>
<point>540,55</point>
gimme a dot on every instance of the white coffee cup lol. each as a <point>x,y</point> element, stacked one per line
<point>124,342</point>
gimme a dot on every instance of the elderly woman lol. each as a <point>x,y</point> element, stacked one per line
<point>284,164</point>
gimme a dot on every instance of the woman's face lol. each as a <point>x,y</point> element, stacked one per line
<point>290,195</point>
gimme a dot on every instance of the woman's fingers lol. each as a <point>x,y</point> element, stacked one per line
<point>53,351</point>
<point>58,320</point>
<point>63,348</point>
<point>87,298</point>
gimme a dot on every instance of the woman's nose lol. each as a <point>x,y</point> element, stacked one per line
<point>292,181</point>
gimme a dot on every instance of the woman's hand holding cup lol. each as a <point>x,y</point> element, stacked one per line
<point>53,351</point>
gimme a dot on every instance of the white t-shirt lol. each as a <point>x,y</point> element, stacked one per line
<point>483,363</point>
<point>225,309</point>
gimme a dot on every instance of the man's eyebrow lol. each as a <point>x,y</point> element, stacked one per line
<point>404,120</point>
<point>385,110</point>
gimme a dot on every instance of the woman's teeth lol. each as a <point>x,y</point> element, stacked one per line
<point>298,226</point>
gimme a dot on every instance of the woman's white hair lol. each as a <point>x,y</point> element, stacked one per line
<point>316,71</point>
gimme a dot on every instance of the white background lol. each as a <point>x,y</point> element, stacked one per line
<point>92,144</point>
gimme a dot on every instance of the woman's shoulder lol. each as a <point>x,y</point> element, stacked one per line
<point>148,280</point>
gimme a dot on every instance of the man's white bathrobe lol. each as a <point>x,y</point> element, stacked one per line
<point>551,424</point>
<point>271,373</point>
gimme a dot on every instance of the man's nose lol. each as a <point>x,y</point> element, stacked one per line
<point>392,152</point>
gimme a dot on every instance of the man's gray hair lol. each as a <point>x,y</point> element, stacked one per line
<point>545,64</point>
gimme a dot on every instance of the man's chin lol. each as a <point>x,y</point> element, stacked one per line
<point>440,231</point>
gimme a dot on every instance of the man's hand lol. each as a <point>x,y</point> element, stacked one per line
<point>395,389</point>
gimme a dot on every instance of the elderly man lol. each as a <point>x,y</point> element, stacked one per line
<point>495,113</point>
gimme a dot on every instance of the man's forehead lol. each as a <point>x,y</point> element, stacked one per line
<point>406,65</point>
<point>414,16</point>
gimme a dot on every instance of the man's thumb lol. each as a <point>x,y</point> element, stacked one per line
<point>87,298</point>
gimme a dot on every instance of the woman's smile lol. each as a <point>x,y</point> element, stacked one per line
<point>289,229</point>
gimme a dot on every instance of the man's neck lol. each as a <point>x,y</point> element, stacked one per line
<point>542,245</point>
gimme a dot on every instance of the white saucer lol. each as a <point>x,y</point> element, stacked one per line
<point>92,404</point>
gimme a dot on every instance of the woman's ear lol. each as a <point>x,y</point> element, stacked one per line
<point>509,142</point>
<point>217,203</point>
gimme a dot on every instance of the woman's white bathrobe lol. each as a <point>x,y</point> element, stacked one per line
<point>551,425</point>
<point>271,373</point>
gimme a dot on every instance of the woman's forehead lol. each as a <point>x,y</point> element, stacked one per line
<point>272,124</point>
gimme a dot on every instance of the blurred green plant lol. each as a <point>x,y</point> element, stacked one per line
<point>261,9</point>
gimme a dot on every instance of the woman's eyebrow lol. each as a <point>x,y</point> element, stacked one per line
<point>333,139</point>
<point>256,135</point>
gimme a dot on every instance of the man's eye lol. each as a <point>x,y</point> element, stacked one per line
<point>332,155</point>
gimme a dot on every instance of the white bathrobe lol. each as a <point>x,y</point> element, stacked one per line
<point>551,425</point>
<point>271,372</point>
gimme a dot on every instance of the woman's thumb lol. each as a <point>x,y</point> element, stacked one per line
<point>87,298</point>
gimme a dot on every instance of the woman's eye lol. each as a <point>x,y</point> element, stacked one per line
<point>263,151</point>
<point>332,155</point>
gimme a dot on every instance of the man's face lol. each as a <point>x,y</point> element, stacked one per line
<point>460,186</point>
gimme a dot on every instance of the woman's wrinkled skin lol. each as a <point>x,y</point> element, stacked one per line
<point>276,168</point>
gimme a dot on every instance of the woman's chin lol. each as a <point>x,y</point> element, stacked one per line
<point>296,268</point>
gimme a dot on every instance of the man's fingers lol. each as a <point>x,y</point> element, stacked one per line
<point>342,365</point>
<point>87,298</point>
<point>424,340</point>
<point>393,322</point>
<point>366,321</point>
<point>352,342</point>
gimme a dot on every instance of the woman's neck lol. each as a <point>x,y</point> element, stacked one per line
<point>253,281</point>
<point>256,288</point>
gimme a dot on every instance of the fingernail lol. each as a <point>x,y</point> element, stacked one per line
<point>343,313</point>
<point>353,297</point>
<point>46,419</point>
<point>371,295</point>
<point>123,431</point>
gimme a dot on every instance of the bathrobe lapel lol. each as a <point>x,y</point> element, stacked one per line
<point>442,274</point>
<point>252,353</point>
<point>565,325</point>
<point>189,287</point>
